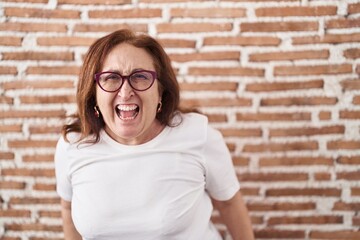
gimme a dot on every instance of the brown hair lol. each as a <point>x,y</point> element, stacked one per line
<point>86,122</point>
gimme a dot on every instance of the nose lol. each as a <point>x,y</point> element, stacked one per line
<point>126,91</point>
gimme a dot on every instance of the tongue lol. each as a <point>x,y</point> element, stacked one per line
<point>127,114</point>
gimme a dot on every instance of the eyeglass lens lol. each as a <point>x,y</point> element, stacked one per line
<point>111,81</point>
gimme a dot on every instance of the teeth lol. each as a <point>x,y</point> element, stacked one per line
<point>126,107</point>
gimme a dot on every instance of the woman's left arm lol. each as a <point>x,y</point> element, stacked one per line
<point>236,218</point>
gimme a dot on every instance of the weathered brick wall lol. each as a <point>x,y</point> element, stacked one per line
<point>280,79</point>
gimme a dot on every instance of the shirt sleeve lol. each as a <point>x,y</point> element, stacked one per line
<point>63,184</point>
<point>221,180</point>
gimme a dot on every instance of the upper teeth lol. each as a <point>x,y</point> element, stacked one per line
<point>126,107</point>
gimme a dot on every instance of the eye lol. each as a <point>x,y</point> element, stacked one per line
<point>111,76</point>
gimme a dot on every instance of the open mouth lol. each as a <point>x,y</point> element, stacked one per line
<point>127,112</point>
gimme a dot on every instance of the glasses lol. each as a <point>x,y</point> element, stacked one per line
<point>140,80</point>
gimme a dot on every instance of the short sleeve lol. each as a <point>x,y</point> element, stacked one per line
<point>63,184</point>
<point>221,180</point>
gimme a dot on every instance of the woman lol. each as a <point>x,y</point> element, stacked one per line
<point>132,165</point>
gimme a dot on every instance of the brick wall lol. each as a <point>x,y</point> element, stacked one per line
<point>280,79</point>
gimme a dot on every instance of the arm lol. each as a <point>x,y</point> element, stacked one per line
<point>70,231</point>
<point>235,216</point>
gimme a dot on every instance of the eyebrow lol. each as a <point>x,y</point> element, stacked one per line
<point>117,71</point>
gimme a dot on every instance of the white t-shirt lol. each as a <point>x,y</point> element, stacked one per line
<point>157,190</point>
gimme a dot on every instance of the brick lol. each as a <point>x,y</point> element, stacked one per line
<point>33,200</point>
<point>44,187</point>
<point>281,206</point>
<point>36,172</point>
<point>309,131</point>
<point>8,70</point>
<point>11,128</point>
<point>38,158</point>
<point>96,2</point>
<point>214,12</point>
<point>229,71</point>
<point>235,132</point>
<point>349,176</point>
<point>296,11</point>
<point>177,43</point>
<point>41,13</point>
<point>33,227</point>
<point>6,100</point>
<point>356,100</point>
<point>63,70</point>
<point>272,177</point>
<point>10,41</point>
<point>312,70</point>
<point>250,191</point>
<point>47,99</point>
<point>6,237</point>
<point>33,27</point>
<point>231,147</point>
<point>354,8</point>
<point>353,160</point>
<point>126,13</point>
<point>242,41</point>
<point>355,191</point>
<point>281,147</point>
<point>65,41</point>
<point>32,114</point>
<point>240,161</point>
<point>325,115</point>
<point>31,143</point>
<point>322,176</point>
<point>15,213</point>
<point>342,23</point>
<point>289,55</point>
<point>328,38</point>
<point>7,155</point>
<point>109,27</point>
<point>58,56</point>
<point>27,1</point>
<point>350,84</point>
<point>215,102</point>
<point>49,214</point>
<point>279,26</point>
<point>352,53</point>
<point>347,114</point>
<point>44,238</point>
<point>212,86</point>
<point>324,192</point>
<point>279,234</point>
<point>329,234</point>
<point>12,185</point>
<point>206,56</point>
<point>356,221</point>
<point>298,101</point>
<point>192,27</point>
<point>345,206</point>
<point>343,144</point>
<point>216,117</point>
<point>283,86</point>
<point>305,220</point>
<point>298,116</point>
<point>38,84</point>
<point>41,129</point>
<point>294,161</point>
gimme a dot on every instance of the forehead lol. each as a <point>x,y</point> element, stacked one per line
<point>126,57</point>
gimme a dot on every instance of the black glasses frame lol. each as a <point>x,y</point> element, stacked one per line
<point>123,78</point>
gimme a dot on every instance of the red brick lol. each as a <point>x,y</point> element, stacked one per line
<point>31,143</point>
<point>289,55</point>
<point>41,13</point>
<point>354,8</point>
<point>7,155</point>
<point>12,185</point>
<point>33,27</point>
<point>206,56</point>
<point>296,11</point>
<point>356,100</point>
<point>272,177</point>
<point>217,117</point>
<point>242,41</point>
<point>109,27</point>
<point>294,161</point>
<point>27,1</point>
<point>329,38</point>
<point>8,70</point>
<point>6,100</point>
<point>298,101</point>
<point>281,206</point>
<point>38,84</point>
<point>208,12</point>
<point>215,102</point>
<point>310,131</point>
<point>50,214</point>
<point>47,99</point>
<point>15,213</point>
<point>36,172</point>
<point>33,227</point>
<point>353,160</point>
<point>276,116</point>
<point>65,41</point>
<point>341,234</point>
<point>342,23</point>
<point>283,86</point>
<point>312,70</point>
<point>63,70</point>
<point>346,114</point>
<point>279,234</point>
<point>281,147</point>
<point>233,71</point>
<point>44,187</point>
<point>32,114</point>
<point>177,43</point>
<point>240,161</point>
<point>279,26</point>
<point>45,129</point>
<point>349,176</point>
<point>345,206</point>
<point>324,115</point>
<point>351,84</point>
<point>59,56</point>
<point>250,191</point>
<point>356,221</point>
<point>324,192</point>
<point>236,132</point>
<point>343,144</point>
<point>10,41</point>
<point>192,27</point>
<point>38,158</point>
<point>211,86</point>
<point>355,191</point>
<point>322,176</point>
<point>97,2</point>
<point>126,13</point>
<point>319,220</point>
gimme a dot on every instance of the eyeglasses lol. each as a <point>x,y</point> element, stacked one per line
<point>140,80</point>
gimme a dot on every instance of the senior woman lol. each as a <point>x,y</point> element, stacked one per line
<point>132,165</point>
